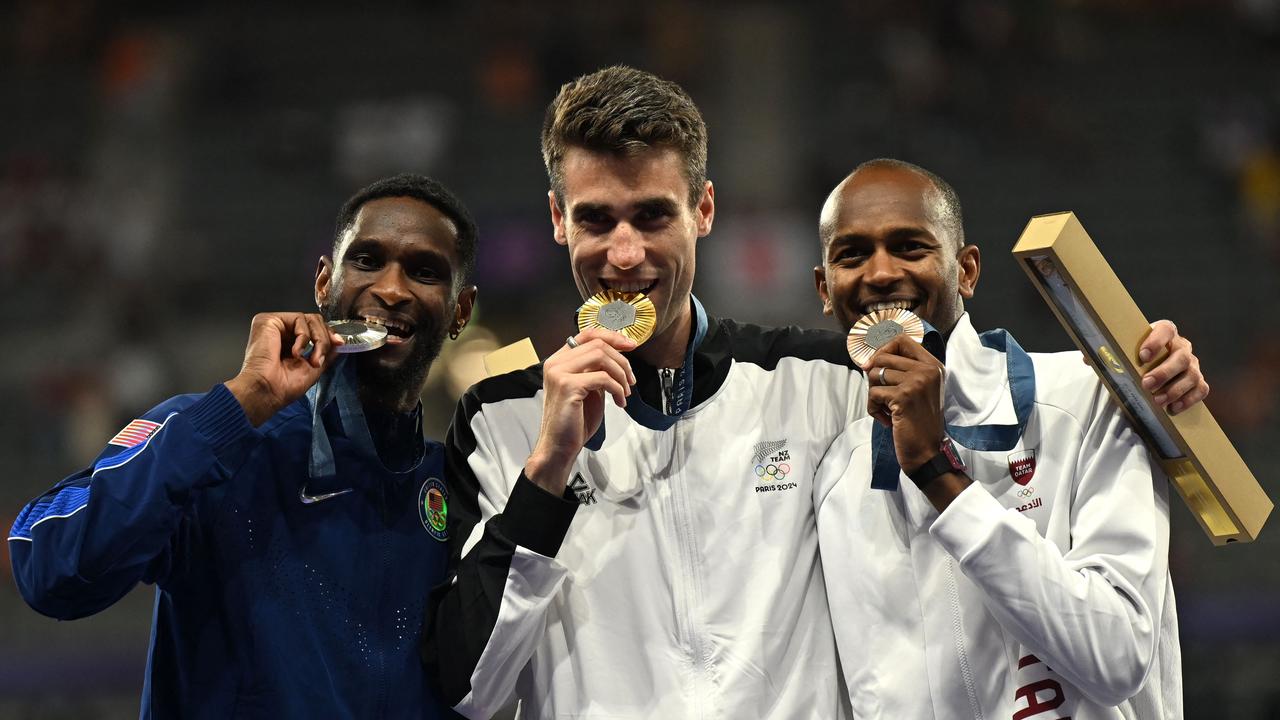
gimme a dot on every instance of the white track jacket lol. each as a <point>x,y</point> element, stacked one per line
<point>679,577</point>
<point>1037,599</point>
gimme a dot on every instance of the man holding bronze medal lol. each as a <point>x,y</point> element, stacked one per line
<point>292,518</point>
<point>1017,566</point>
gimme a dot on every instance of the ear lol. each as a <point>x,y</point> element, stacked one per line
<point>557,219</point>
<point>324,280</point>
<point>970,267</point>
<point>706,210</point>
<point>462,310</point>
<point>820,281</point>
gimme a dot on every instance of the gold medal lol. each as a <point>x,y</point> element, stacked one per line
<point>631,314</point>
<point>875,329</point>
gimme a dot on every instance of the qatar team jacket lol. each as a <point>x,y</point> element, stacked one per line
<point>1041,592</point>
<point>273,600</point>
<point>678,577</point>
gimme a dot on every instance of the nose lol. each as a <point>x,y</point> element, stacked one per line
<point>882,268</point>
<point>626,247</point>
<point>391,286</point>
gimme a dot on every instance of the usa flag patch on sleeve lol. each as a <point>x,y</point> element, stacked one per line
<point>135,433</point>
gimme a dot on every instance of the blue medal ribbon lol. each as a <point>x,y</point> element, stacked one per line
<point>337,384</point>
<point>1022,389</point>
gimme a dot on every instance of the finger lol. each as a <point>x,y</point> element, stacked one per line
<point>600,381</point>
<point>1162,333</point>
<point>1197,394</point>
<point>613,352</point>
<point>903,346</point>
<point>1175,390</point>
<point>595,357</point>
<point>321,338</point>
<point>878,408</point>
<point>1174,365</point>
<point>611,337</point>
<point>296,326</point>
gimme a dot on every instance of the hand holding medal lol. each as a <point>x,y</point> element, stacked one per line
<point>577,378</point>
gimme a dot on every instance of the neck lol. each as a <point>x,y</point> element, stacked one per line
<point>667,349</point>
<point>390,400</point>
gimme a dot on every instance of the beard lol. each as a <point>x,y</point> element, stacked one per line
<point>394,385</point>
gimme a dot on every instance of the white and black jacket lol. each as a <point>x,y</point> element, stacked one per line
<point>679,576</point>
<point>1041,592</point>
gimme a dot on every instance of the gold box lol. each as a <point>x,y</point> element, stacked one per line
<point>1105,323</point>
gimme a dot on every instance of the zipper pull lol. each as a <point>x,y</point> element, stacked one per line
<point>666,378</point>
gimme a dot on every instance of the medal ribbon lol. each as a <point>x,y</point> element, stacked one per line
<point>656,419</point>
<point>1022,389</point>
<point>337,383</point>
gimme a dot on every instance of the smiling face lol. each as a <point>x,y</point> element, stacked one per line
<point>885,246</point>
<point>628,225</point>
<point>397,264</point>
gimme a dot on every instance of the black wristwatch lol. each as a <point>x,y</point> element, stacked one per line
<point>947,460</point>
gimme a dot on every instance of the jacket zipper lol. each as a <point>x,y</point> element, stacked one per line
<point>691,584</point>
<point>666,380</point>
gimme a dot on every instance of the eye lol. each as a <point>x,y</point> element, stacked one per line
<point>594,220</point>
<point>912,248</point>
<point>652,217</point>
<point>428,274</point>
<point>362,261</point>
<point>849,255</point>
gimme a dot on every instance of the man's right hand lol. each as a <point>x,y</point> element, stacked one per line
<point>276,372</point>
<point>574,382</point>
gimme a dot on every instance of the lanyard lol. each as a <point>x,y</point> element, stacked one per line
<point>337,383</point>
<point>682,393</point>
<point>1022,389</point>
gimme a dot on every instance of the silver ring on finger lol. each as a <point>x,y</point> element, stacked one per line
<point>571,342</point>
<point>880,378</point>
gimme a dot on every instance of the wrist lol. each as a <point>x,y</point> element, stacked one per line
<point>944,461</point>
<point>549,471</point>
<point>254,396</point>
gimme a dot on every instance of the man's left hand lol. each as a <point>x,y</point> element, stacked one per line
<point>1176,383</point>
<point>906,386</point>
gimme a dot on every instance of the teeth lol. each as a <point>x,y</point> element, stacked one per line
<point>629,287</point>
<point>892,305</point>
<point>387,323</point>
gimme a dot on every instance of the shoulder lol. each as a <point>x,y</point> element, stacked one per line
<point>767,346</point>
<point>507,387</point>
<point>1066,382</point>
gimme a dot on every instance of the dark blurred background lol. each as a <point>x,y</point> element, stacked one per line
<point>167,170</point>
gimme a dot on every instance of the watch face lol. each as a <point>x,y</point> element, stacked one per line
<point>953,457</point>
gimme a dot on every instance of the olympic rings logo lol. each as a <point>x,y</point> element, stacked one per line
<point>1026,492</point>
<point>775,472</point>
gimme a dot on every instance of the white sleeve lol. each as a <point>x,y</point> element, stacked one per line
<point>1092,613</point>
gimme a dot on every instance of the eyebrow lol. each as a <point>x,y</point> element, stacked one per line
<point>898,234</point>
<point>652,204</point>
<point>419,255</point>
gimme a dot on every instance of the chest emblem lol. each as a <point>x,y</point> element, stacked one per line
<point>433,508</point>
<point>580,487</point>
<point>1022,466</point>
<point>771,464</point>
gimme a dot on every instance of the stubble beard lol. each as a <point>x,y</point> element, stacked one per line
<point>394,387</point>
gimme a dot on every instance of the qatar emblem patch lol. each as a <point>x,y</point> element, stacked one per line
<point>433,508</point>
<point>1022,465</point>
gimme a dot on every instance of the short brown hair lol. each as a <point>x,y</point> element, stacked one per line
<point>624,111</point>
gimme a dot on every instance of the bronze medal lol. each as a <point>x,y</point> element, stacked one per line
<point>875,329</point>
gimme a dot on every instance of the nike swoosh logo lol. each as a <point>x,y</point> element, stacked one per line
<point>313,499</point>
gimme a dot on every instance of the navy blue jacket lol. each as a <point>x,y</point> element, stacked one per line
<point>267,606</point>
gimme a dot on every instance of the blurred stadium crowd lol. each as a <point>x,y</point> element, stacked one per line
<point>169,169</point>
